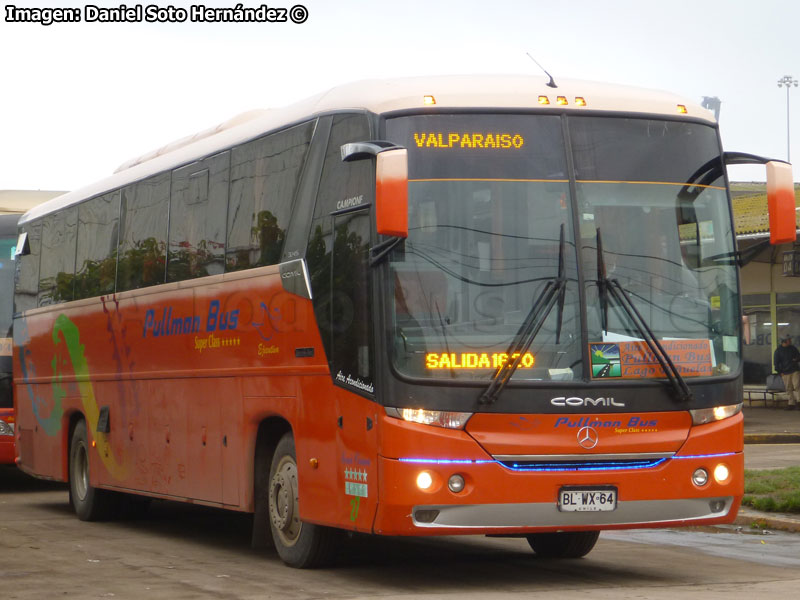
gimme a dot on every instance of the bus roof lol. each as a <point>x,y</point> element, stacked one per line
<point>506,92</point>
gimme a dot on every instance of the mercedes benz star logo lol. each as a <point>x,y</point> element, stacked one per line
<point>588,438</point>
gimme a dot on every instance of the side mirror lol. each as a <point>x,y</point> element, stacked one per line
<point>781,203</point>
<point>391,193</point>
<point>23,245</point>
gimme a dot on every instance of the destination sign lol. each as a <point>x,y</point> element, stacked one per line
<point>476,360</point>
<point>489,140</point>
<point>635,360</point>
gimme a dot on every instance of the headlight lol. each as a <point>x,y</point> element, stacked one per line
<point>709,415</point>
<point>424,480</point>
<point>438,418</point>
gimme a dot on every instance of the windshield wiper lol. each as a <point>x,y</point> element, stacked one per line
<point>612,287</point>
<point>554,291</point>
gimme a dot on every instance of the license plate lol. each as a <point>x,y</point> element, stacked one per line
<point>587,499</point>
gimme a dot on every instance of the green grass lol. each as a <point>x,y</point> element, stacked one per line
<point>773,490</point>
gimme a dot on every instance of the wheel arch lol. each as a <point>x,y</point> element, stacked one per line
<point>72,420</point>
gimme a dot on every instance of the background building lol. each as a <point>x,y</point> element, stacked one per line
<point>770,294</point>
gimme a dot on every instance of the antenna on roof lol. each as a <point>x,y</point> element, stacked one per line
<point>550,83</point>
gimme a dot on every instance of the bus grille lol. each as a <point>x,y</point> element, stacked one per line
<point>583,464</point>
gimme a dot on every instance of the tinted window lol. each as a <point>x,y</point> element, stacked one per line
<point>337,258</point>
<point>143,237</point>
<point>198,210</point>
<point>640,149</point>
<point>57,270</point>
<point>96,260</point>
<point>264,176</point>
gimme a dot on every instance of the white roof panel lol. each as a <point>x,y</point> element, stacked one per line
<point>384,96</point>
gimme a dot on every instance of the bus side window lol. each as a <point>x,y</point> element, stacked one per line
<point>57,270</point>
<point>264,178</point>
<point>197,213</point>
<point>26,279</point>
<point>96,257</point>
<point>337,256</point>
<point>143,233</point>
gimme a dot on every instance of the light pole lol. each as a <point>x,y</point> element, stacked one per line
<point>788,81</point>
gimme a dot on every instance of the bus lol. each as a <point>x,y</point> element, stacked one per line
<point>12,204</point>
<point>425,306</point>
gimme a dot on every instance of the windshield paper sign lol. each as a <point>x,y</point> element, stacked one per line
<point>634,360</point>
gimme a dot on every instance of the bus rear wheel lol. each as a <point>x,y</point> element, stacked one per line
<point>299,544</point>
<point>563,544</point>
<point>89,503</point>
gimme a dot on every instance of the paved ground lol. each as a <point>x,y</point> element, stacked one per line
<point>772,441</point>
<point>766,425</point>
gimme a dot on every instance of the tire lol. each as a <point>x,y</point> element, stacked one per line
<point>563,544</point>
<point>299,544</point>
<point>89,503</point>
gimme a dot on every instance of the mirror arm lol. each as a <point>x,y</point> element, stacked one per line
<point>361,150</point>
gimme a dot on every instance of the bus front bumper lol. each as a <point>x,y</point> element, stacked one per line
<point>499,500</point>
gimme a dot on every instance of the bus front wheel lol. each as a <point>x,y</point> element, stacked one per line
<point>89,503</point>
<point>299,544</point>
<point>563,544</point>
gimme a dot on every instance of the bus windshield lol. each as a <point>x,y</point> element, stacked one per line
<point>489,198</point>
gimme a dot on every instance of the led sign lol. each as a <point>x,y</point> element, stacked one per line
<point>487,141</point>
<point>475,360</point>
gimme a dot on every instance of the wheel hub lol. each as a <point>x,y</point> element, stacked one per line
<point>283,501</point>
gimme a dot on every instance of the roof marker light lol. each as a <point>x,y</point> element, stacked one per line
<point>561,100</point>
<point>580,101</point>
<point>682,109</point>
<point>544,100</point>
<point>428,100</point>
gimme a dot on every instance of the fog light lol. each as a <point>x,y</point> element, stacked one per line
<point>424,480</point>
<point>455,483</point>
<point>716,506</point>
<point>700,477</point>
<point>721,473</point>
<point>426,516</point>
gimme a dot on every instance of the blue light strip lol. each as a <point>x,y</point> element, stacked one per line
<point>554,467</point>
<point>543,467</point>
<point>708,455</point>
<point>444,461</point>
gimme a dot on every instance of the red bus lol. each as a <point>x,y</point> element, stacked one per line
<point>459,305</point>
<point>12,204</point>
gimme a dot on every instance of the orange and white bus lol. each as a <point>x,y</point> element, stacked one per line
<point>13,203</point>
<point>456,305</point>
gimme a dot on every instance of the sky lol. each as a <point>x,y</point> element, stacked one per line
<point>79,99</point>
